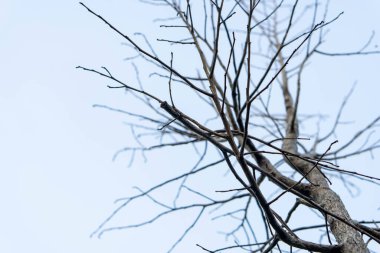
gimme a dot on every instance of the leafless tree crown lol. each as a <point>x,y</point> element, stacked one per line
<point>240,94</point>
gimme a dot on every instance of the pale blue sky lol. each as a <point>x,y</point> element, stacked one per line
<point>57,179</point>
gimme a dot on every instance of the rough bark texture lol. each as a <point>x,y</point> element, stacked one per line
<point>320,192</point>
<point>350,238</point>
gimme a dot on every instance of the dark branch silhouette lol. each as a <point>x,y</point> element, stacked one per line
<point>252,56</point>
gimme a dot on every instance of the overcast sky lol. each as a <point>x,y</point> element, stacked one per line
<point>57,179</point>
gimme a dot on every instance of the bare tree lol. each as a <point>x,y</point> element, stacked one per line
<point>240,96</point>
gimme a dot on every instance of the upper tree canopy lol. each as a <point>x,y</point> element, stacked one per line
<point>231,90</point>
